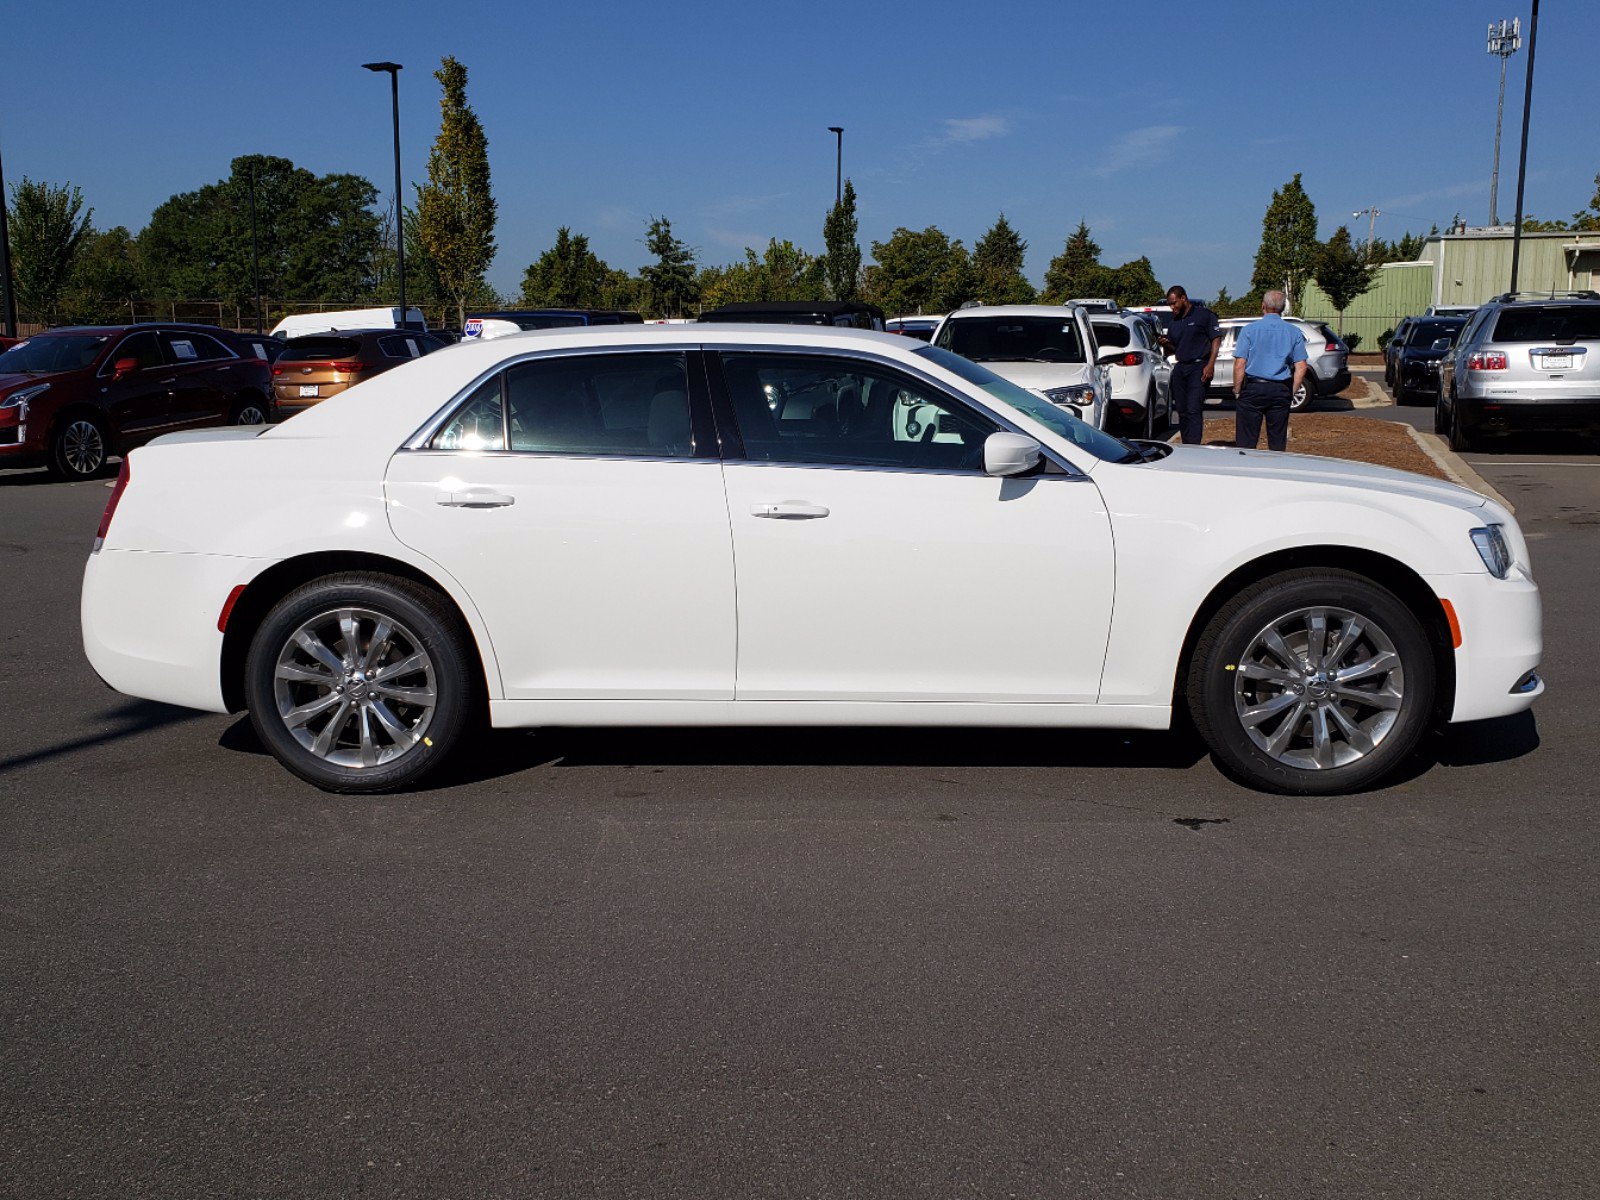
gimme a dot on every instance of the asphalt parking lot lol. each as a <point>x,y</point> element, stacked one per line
<point>806,963</point>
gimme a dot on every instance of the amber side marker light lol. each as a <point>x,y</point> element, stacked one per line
<point>1455,624</point>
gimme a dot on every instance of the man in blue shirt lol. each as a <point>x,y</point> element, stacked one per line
<point>1269,363</point>
<point>1192,337</point>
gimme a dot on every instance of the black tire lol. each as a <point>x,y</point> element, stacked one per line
<point>1218,692</point>
<point>248,410</point>
<point>1461,438</point>
<point>1306,398</point>
<point>422,621</point>
<point>1439,425</point>
<point>79,447</point>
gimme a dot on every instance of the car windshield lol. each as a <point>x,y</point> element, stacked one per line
<point>1551,323</point>
<point>49,353</point>
<point>1014,339</point>
<point>1057,420</point>
<point>1426,333</point>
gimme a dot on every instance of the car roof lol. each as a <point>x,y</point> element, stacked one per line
<point>110,330</point>
<point>831,307</point>
<point>1022,310</point>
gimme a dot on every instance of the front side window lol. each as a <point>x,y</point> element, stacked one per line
<point>142,348</point>
<point>1014,339</point>
<point>825,410</point>
<point>634,404</point>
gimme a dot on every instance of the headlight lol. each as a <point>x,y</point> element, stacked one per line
<point>1492,548</point>
<point>20,399</point>
<point>1079,394</point>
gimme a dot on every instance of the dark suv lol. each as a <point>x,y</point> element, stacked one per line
<point>1415,355</point>
<point>71,398</point>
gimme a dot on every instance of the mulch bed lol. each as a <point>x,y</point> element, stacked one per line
<point>1334,435</point>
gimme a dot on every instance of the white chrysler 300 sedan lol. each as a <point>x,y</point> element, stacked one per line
<point>772,525</point>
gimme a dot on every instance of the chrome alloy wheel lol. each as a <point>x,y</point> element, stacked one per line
<point>1319,688</point>
<point>354,687</point>
<point>84,447</point>
<point>250,414</point>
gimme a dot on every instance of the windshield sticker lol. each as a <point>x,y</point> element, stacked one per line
<point>261,351</point>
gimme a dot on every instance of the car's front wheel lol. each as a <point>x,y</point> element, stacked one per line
<point>78,447</point>
<point>360,682</point>
<point>1312,682</point>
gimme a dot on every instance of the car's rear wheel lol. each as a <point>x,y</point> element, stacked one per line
<point>78,447</point>
<point>1461,438</point>
<point>1304,396</point>
<point>250,410</point>
<point>360,682</point>
<point>1312,682</point>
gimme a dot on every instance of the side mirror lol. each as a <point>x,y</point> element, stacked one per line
<point>124,367</point>
<point>1010,454</point>
<point>1443,344</point>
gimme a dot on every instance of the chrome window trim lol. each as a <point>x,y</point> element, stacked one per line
<point>568,454</point>
<point>418,441</point>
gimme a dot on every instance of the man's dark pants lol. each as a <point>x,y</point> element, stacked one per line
<point>1262,399</point>
<point>1189,401</point>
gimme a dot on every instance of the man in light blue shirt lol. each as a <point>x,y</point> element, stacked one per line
<point>1269,364</point>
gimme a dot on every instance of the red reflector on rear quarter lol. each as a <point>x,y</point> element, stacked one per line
<point>227,608</point>
<point>1455,624</point>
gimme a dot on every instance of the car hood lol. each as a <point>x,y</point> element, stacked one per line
<point>1038,376</point>
<point>1265,466</point>
<point>10,382</point>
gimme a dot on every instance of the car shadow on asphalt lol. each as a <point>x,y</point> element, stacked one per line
<point>128,719</point>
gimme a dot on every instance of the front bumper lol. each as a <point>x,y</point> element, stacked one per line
<point>150,622</point>
<point>1502,640</point>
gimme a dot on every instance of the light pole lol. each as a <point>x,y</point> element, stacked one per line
<point>1522,158</point>
<point>838,164</point>
<point>255,256</point>
<point>1504,41</point>
<point>394,70</point>
<point>5,264</point>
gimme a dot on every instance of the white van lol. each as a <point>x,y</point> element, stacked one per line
<point>300,324</point>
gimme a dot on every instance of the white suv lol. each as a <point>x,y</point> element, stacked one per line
<point>1050,349</point>
<point>1141,378</point>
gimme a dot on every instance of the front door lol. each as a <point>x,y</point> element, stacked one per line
<point>139,404</point>
<point>877,562</point>
<point>580,505</point>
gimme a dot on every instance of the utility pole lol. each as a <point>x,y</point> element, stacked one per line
<point>838,165</point>
<point>1504,41</point>
<point>5,264</point>
<point>1522,157</point>
<point>1372,215</point>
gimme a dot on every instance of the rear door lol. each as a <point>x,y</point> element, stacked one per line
<point>202,369</point>
<point>578,499</point>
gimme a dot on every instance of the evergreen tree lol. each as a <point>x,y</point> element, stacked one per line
<point>842,259</point>
<point>48,225</point>
<point>568,275</point>
<point>1132,283</point>
<point>455,208</point>
<point>1076,272</point>
<point>1288,243</point>
<point>670,280</point>
<point>997,261</point>
<point>919,271</point>
<point>1343,271</point>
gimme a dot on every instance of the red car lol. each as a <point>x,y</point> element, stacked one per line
<point>71,398</point>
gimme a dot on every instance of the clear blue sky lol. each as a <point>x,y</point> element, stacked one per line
<point>1166,126</point>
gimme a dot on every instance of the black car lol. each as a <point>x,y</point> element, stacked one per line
<point>1391,348</point>
<point>263,345</point>
<point>1416,362</point>
<point>843,314</point>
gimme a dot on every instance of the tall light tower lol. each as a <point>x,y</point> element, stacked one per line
<point>1505,39</point>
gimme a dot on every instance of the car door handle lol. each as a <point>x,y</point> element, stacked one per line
<point>789,510</point>
<point>476,498</point>
<point>164,382</point>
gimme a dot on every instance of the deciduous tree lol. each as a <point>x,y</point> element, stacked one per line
<point>842,258</point>
<point>456,208</point>
<point>48,225</point>
<point>919,271</point>
<point>1343,271</point>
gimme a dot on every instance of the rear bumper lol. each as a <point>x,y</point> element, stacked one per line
<point>1336,382</point>
<point>1502,640</point>
<point>1496,413</point>
<point>150,622</point>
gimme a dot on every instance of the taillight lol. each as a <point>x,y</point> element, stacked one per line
<point>111,507</point>
<point>1331,347</point>
<point>1132,359</point>
<point>1487,360</point>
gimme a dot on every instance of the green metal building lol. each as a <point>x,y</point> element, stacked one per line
<point>1466,267</point>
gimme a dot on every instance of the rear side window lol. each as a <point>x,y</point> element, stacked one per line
<point>480,425</point>
<point>1552,323</point>
<point>1112,334</point>
<point>184,348</point>
<point>629,404</point>
<point>308,349</point>
<point>400,346</point>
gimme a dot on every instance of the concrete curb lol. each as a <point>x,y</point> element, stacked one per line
<point>1456,467</point>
